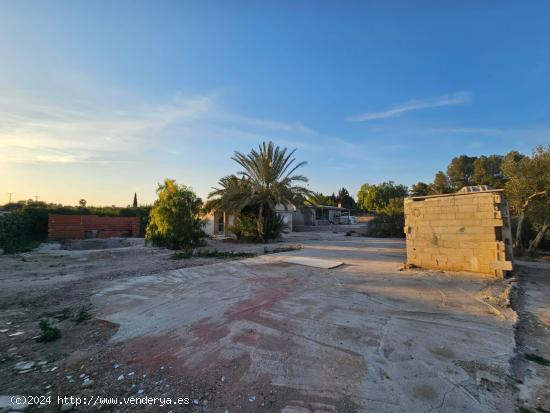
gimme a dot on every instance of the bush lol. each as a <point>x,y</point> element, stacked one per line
<point>390,221</point>
<point>48,332</point>
<point>174,221</point>
<point>82,314</point>
<point>245,227</point>
<point>274,227</point>
<point>16,233</point>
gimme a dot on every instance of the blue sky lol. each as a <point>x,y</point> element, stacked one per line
<point>100,99</point>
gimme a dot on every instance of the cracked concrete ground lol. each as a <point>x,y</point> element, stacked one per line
<point>361,337</point>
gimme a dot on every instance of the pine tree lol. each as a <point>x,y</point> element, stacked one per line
<point>135,204</point>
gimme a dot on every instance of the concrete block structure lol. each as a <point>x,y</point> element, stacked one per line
<point>464,231</point>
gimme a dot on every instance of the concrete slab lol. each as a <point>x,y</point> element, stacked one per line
<point>313,262</point>
<point>366,338</point>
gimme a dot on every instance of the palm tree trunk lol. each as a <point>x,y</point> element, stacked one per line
<point>260,223</point>
<point>533,245</point>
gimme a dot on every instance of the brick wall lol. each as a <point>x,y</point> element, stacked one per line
<point>459,232</point>
<point>91,226</point>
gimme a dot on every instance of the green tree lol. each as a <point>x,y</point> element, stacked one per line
<point>420,189</point>
<point>441,184</point>
<point>528,191</point>
<point>135,203</point>
<point>376,197</point>
<point>82,203</point>
<point>390,220</point>
<point>268,179</point>
<point>460,171</point>
<point>487,171</point>
<point>317,198</point>
<point>174,220</point>
<point>345,200</point>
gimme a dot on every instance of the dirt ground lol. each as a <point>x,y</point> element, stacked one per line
<point>532,363</point>
<point>260,334</point>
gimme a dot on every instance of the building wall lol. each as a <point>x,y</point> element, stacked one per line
<point>459,232</point>
<point>91,226</point>
<point>286,216</point>
<point>212,226</point>
<point>209,224</point>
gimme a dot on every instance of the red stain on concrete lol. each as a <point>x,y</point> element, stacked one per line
<point>267,293</point>
<point>152,352</point>
<point>207,332</point>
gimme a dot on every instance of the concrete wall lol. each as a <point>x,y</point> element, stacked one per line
<point>91,226</point>
<point>459,232</point>
<point>287,217</point>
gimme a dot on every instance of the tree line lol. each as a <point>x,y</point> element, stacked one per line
<point>524,178</point>
<point>269,179</point>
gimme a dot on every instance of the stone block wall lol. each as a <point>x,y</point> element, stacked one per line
<point>459,232</point>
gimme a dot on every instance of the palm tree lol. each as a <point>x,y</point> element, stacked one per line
<point>267,179</point>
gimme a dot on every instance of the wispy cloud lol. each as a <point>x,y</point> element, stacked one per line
<point>458,98</point>
<point>469,131</point>
<point>64,132</point>
<point>37,129</point>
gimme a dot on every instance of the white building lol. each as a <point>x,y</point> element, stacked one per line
<point>217,223</point>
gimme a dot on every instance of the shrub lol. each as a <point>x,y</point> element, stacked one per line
<point>16,233</point>
<point>245,227</point>
<point>48,332</point>
<point>389,222</point>
<point>183,254</point>
<point>211,253</point>
<point>82,314</point>
<point>274,227</point>
<point>174,221</point>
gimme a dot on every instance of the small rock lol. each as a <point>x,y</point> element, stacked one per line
<point>67,407</point>
<point>5,330</point>
<point>87,382</point>
<point>42,363</point>
<point>24,365</point>
<point>121,377</point>
<point>251,398</point>
<point>140,391</point>
<point>195,402</point>
<point>82,376</point>
<point>17,333</point>
<point>223,378</point>
<point>116,366</point>
<point>482,375</point>
<point>54,368</point>
<point>131,373</point>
